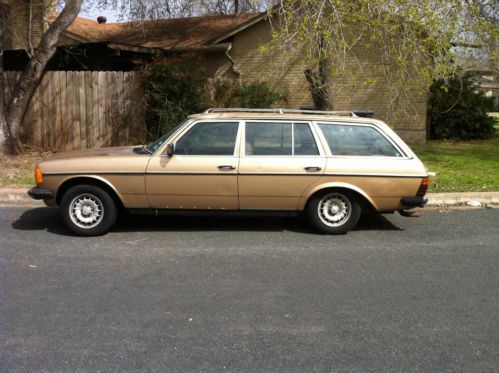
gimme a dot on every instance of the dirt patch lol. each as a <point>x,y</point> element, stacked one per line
<point>17,171</point>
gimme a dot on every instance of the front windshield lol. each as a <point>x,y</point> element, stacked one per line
<point>155,145</point>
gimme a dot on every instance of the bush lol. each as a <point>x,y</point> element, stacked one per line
<point>457,112</point>
<point>174,87</point>
<point>177,86</point>
<point>235,94</point>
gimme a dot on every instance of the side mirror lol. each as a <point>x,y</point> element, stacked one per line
<point>170,149</point>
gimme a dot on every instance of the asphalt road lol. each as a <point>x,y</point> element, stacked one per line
<point>250,294</point>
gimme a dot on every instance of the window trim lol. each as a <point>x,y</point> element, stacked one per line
<point>318,143</point>
<point>403,154</point>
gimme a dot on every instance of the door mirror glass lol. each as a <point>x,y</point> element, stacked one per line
<point>170,149</point>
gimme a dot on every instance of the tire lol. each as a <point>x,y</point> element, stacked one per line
<point>334,212</point>
<point>88,210</point>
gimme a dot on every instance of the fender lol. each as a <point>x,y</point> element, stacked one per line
<point>314,189</point>
<point>83,176</point>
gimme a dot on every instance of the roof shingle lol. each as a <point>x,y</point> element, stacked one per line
<point>163,34</point>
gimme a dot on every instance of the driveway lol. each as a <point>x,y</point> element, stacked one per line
<point>250,294</point>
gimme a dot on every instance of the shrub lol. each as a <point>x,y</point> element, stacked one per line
<point>173,89</point>
<point>235,94</point>
<point>457,112</point>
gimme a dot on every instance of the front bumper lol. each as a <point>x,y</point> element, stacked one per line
<point>40,193</point>
<point>413,201</point>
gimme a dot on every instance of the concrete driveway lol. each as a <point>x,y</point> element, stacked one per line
<point>250,294</point>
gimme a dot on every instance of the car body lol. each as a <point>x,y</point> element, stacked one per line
<point>239,160</point>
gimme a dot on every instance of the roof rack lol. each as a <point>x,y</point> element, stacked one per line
<point>280,111</point>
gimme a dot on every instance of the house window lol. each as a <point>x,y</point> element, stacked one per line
<point>345,140</point>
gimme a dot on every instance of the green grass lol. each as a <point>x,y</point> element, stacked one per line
<point>467,166</point>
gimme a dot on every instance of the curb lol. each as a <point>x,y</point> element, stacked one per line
<point>18,196</point>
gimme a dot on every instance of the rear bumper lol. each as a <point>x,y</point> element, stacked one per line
<point>40,193</point>
<point>414,201</point>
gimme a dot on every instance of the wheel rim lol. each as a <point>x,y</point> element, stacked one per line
<point>334,209</point>
<point>86,211</point>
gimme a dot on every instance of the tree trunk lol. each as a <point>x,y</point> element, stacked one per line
<point>33,73</point>
<point>319,81</point>
<point>2,100</point>
<point>236,6</point>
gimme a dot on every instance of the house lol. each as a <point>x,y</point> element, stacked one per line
<point>230,46</point>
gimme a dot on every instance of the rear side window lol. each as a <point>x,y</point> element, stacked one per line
<point>279,139</point>
<point>357,141</point>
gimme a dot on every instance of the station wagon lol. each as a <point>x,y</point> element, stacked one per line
<point>331,166</point>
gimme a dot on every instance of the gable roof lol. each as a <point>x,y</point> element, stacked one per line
<point>164,34</point>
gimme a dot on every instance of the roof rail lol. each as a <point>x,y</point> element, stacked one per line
<point>280,111</point>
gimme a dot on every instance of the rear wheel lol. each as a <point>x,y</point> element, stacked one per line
<point>88,210</point>
<point>334,212</point>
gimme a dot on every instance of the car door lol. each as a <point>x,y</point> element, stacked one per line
<point>201,173</point>
<point>279,161</point>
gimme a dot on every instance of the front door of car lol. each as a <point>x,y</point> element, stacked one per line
<point>202,171</point>
<point>279,161</point>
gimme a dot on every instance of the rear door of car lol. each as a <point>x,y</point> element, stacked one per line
<point>279,159</point>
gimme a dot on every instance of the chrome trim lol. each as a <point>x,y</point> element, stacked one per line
<point>280,111</point>
<point>87,174</point>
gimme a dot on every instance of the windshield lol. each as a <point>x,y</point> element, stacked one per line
<point>155,145</point>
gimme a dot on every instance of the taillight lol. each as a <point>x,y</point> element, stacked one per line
<point>423,187</point>
<point>38,176</point>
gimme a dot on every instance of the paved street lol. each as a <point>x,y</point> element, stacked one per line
<point>250,294</point>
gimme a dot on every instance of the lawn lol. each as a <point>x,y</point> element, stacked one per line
<point>18,171</point>
<point>467,166</point>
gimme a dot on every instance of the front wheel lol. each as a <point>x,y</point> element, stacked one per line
<point>88,210</point>
<point>334,212</point>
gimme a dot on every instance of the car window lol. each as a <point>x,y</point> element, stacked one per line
<point>304,142</point>
<point>357,141</point>
<point>268,138</point>
<point>209,138</point>
<point>277,139</point>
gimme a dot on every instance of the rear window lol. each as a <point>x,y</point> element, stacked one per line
<point>350,140</point>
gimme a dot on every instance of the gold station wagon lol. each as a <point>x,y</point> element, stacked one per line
<point>331,165</point>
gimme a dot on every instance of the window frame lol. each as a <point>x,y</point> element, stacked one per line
<point>403,154</point>
<point>318,142</point>
<point>181,133</point>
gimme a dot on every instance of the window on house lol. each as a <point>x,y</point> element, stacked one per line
<point>357,141</point>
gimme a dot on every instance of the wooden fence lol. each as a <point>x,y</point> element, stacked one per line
<point>82,109</point>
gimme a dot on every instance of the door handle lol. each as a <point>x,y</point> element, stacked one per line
<point>313,168</point>
<point>226,167</point>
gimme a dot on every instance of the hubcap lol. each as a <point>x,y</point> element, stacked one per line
<point>334,209</point>
<point>86,211</point>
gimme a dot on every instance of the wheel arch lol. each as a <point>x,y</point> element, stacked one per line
<point>365,200</point>
<point>96,181</point>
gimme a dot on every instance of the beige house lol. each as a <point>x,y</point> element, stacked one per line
<point>230,45</point>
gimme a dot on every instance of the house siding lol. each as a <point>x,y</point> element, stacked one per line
<point>349,91</point>
<point>20,29</point>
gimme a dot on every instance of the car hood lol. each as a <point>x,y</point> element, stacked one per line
<point>119,151</point>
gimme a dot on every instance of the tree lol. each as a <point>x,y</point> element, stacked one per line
<point>13,111</point>
<point>414,38</point>
<point>160,9</point>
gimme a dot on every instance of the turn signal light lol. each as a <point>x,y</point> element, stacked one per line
<point>423,187</point>
<point>38,176</point>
